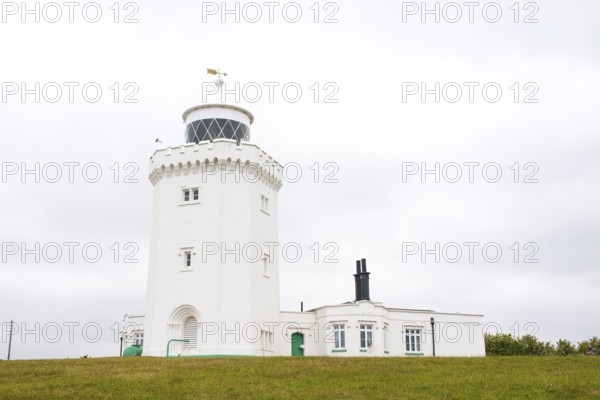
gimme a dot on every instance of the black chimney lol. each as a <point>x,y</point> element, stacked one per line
<point>361,281</point>
<point>357,281</point>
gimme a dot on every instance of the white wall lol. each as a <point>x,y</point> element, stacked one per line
<point>456,334</point>
<point>221,292</point>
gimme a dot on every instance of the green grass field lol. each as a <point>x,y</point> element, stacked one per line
<point>574,377</point>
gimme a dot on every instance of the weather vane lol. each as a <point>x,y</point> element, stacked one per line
<point>219,82</point>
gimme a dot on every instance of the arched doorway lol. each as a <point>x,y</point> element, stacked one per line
<point>183,325</point>
<point>297,344</point>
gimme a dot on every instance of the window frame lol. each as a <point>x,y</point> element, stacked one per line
<point>265,261</point>
<point>138,339</point>
<point>413,338</point>
<point>186,264</point>
<point>264,204</point>
<point>266,338</point>
<point>386,331</point>
<point>366,336</point>
<point>339,336</point>
<point>190,195</point>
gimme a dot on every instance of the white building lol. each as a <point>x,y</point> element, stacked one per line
<point>213,277</point>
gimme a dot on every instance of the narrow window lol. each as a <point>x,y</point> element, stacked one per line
<point>196,192</point>
<point>186,195</point>
<point>138,339</point>
<point>265,265</point>
<point>266,340</point>
<point>190,333</point>
<point>187,259</point>
<point>385,338</point>
<point>264,203</point>
<point>339,336</point>
<point>366,336</point>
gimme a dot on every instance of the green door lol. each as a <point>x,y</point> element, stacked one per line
<point>297,344</point>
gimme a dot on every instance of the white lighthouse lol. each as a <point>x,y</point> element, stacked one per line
<point>213,275</point>
<point>213,283</point>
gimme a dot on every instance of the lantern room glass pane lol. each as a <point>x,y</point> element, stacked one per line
<point>216,128</point>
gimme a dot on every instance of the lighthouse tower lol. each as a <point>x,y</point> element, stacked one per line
<point>213,276</point>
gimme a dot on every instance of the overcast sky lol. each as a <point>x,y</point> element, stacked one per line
<point>371,62</point>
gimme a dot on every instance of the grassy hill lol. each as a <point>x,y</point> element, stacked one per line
<point>574,377</point>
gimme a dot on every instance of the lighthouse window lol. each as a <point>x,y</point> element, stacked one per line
<point>138,338</point>
<point>216,128</point>
<point>188,259</point>
<point>366,336</point>
<point>192,194</point>
<point>265,261</point>
<point>339,336</point>
<point>185,262</point>
<point>413,340</point>
<point>266,339</point>
<point>264,204</point>
<point>226,127</point>
<point>385,338</point>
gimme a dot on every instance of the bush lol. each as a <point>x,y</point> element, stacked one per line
<point>531,346</point>
<point>501,345</point>
<point>565,348</point>
<point>593,342</point>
